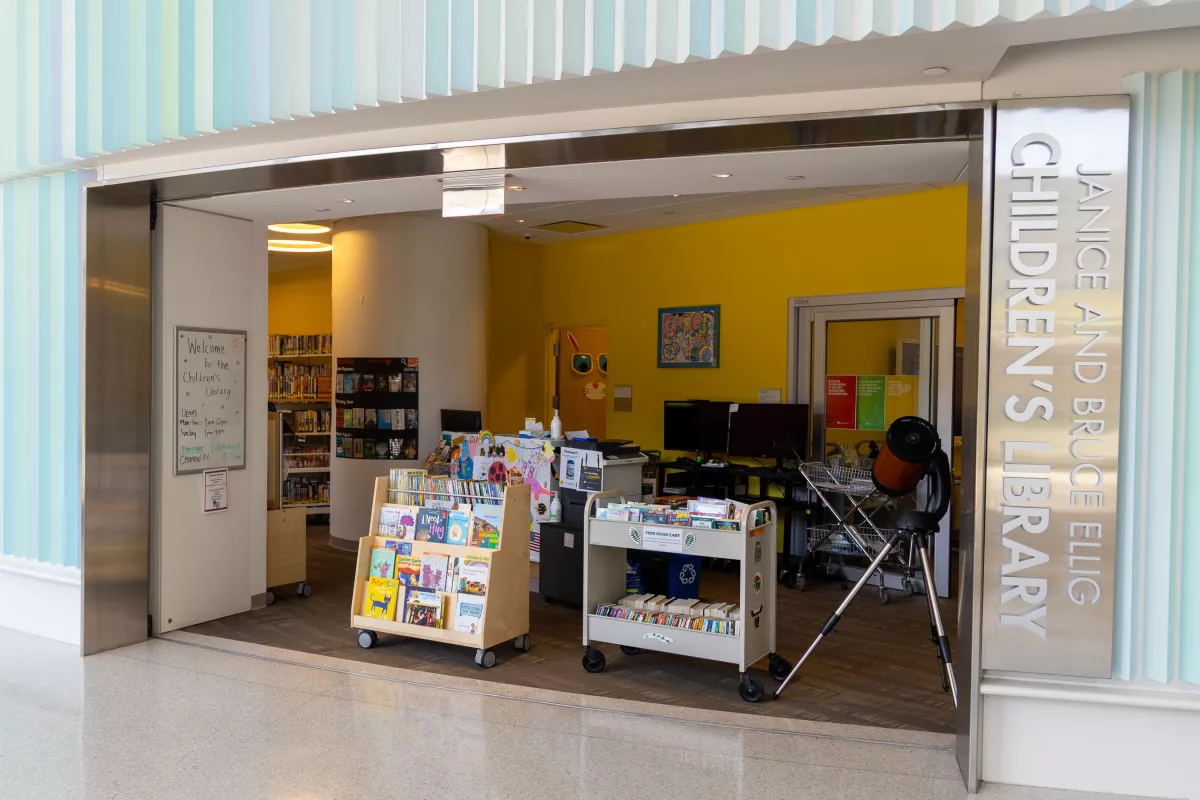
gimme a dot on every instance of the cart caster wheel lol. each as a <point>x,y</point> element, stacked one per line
<point>522,643</point>
<point>750,690</point>
<point>304,589</point>
<point>799,582</point>
<point>630,651</point>
<point>779,667</point>
<point>909,588</point>
<point>885,597</point>
<point>367,639</point>
<point>485,658</point>
<point>270,599</point>
<point>593,660</point>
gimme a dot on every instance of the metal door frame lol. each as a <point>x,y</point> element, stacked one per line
<point>943,311</point>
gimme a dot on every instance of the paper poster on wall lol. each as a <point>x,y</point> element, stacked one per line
<point>210,399</point>
<point>870,412</point>
<point>216,490</point>
<point>901,397</point>
<point>841,399</point>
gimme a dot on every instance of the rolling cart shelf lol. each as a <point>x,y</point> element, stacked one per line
<point>506,611</point>
<point>753,548</point>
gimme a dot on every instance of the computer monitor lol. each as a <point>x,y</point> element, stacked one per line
<point>462,421</point>
<point>699,426</point>
<point>768,430</point>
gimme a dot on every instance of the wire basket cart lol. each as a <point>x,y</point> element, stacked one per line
<point>855,535</point>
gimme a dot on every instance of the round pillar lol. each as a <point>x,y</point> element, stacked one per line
<point>408,286</point>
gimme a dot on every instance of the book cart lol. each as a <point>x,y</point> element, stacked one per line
<point>753,547</point>
<point>506,612</point>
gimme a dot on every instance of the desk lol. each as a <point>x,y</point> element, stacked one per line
<point>698,480</point>
<point>788,507</point>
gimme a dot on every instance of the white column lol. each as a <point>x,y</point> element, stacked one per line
<point>403,287</point>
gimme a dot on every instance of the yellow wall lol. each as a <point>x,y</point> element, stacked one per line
<point>300,301</point>
<point>749,265</point>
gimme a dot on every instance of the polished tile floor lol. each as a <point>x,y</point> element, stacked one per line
<point>170,719</point>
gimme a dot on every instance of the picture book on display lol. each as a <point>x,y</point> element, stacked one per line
<point>398,547</point>
<point>473,575</point>
<point>468,616</point>
<point>379,601</point>
<point>483,533</point>
<point>458,529</point>
<point>431,524</point>
<point>383,562</point>
<point>434,569</point>
<point>408,570</point>
<point>422,607</point>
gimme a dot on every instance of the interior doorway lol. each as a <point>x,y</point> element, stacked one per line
<point>581,378</point>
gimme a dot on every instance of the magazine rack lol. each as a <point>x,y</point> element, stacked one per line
<point>506,612</point>
<point>751,546</point>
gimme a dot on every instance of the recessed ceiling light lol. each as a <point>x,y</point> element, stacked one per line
<point>297,246</point>
<point>298,227</point>
<point>516,188</point>
<point>520,220</point>
<point>322,209</point>
<point>345,200</point>
<point>722,175</point>
<point>934,72</point>
<point>674,195</point>
<point>795,177</point>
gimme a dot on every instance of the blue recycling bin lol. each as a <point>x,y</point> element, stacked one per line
<point>683,577</point>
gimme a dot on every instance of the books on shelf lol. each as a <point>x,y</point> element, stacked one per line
<point>703,512</point>
<point>484,532</point>
<point>425,608</point>
<point>431,525</point>
<point>414,486</point>
<point>408,570</point>
<point>434,569</point>
<point>458,528</point>
<point>315,344</point>
<point>311,420</point>
<point>292,381</point>
<point>473,575</point>
<point>379,601</point>
<point>383,562</point>
<point>468,614</point>
<point>305,490</point>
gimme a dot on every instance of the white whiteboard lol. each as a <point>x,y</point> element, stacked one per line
<point>210,399</point>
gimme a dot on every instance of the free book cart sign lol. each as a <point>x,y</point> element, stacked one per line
<point>1054,392</point>
<point>210,400</point>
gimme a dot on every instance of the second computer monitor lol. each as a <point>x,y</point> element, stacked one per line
<point>769,430</point>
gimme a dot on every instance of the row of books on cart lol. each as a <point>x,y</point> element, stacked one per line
<point>419,589</point>
<point>316,344</point>
<point>475,525</point>
<point>672,612</point>
<point>701,512</point>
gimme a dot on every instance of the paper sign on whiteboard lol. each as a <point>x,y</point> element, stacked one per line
<point>666,540</point>
<point>216,490</point>
<point>210,400</point>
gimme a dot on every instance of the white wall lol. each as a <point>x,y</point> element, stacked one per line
<point>1111,740</point>
<point>403,287</point>
<point>210,271</point>
<point>42,599</point>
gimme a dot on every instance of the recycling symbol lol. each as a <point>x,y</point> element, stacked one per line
<point>687,574</point>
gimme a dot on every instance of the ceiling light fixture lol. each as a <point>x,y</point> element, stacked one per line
<point>346,200</point>
<point>298,227</point>
<point>297,246</point>
<point>934,72</point>
<point>322,209</point>
<point>521,220</point>
<point>722,175</point>
<point>515,188</point>
<point>674,195</point>
<point>795,177</point>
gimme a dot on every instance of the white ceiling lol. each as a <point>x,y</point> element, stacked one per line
<point>634,195</point>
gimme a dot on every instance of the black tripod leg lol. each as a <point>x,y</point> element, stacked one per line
<point>828,628</point>
<point>935,615</point>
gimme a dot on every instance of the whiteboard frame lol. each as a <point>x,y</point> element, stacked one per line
<point>175,391</point>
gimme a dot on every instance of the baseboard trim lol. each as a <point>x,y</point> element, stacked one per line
<point>41,599</point>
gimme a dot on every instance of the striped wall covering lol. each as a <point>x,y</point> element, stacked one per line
<point>1158,580</point>
<point>41,297</point>
<point>80,78</point>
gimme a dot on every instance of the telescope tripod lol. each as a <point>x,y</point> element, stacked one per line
<point>919,538</point>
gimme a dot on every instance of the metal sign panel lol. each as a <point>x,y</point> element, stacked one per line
<point>1054,393</point>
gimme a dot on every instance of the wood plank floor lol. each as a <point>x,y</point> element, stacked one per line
<point>879,669</point>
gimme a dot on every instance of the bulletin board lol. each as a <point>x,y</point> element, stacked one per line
<point>210,399</point>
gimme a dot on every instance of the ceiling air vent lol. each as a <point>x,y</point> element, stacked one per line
<point>569,226</point>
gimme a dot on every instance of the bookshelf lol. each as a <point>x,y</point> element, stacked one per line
<point>506,611</point>
<point>752,545</point>
<point>300,384</point>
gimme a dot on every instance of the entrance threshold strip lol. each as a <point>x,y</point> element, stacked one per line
<point>559,704</point>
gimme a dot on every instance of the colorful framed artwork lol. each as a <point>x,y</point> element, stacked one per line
<point>689,336</point>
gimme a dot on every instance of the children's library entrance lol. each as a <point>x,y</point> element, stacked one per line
<point>583,420</point>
